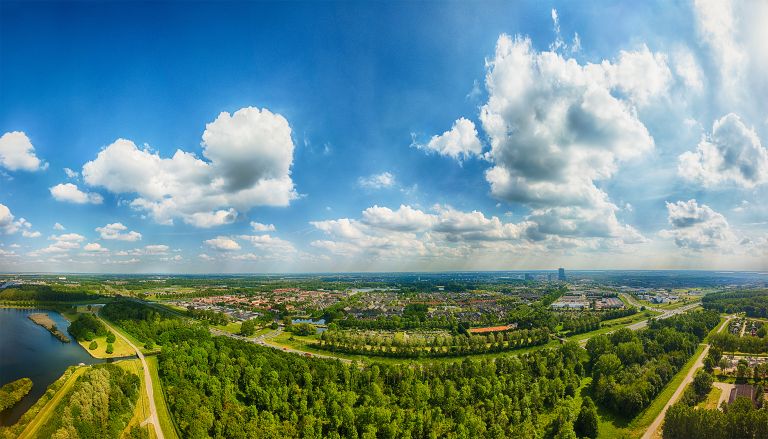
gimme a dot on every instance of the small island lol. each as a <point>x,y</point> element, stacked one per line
<point>46,322</point>
<point>13,392</point>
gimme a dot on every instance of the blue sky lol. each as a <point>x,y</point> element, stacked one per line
<point>382,136</point>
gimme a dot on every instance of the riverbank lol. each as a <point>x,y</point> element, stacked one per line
<point>43,320</point>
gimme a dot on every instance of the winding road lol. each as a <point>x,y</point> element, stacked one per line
<point>153,418</point>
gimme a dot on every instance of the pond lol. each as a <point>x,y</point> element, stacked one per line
<point>29,350</point>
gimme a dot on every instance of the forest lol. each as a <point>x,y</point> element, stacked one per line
<point>630,368</point>
<point>87,327</point>
<point>738,420</point>
<point>148,324</point>
<point>753,302</point>
<point>221,387</point>
<point>99,406</point>
<point>29,294</point>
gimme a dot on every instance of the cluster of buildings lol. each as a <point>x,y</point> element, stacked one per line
<point>243,307</point>
<point>588,299</point>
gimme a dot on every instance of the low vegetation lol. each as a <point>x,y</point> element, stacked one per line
<point>13,392</point>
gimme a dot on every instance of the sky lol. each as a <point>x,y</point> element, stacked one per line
<point>230,137</point>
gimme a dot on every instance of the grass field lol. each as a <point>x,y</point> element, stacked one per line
<point>164,415</point>
<point>232,328</point>
<point>612,325</point>
<point>712,398</point>
<point>121,348</point>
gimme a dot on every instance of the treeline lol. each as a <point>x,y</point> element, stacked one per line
<point>630,368</point>
<point>753,303</point>
<point>99,406</point>
<point>733,343</point>
<point>738,420</point>
<point>437,346</point>
<point>149,325</point>
<point>42,293</point>
<point>221,387</point>
<point>580,323</point>
<point>13,392</point>
<point>87,327</point>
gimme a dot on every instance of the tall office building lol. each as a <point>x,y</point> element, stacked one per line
<point>561,274</point>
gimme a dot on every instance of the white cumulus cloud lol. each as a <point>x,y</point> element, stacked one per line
<point>697,227</point>
<point>249,154</point>
<point>732,153</point>
<point>222,243</point>
<point>70,193</point>
<point>460,142</point>
<point>117,231</point>
<point>94,247</point>
<point>259,227</point>
<point>18,153</point>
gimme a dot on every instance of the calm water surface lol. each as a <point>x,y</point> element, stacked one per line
<point>29,350</point>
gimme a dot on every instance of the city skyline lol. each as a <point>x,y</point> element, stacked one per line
<point>257,138</point>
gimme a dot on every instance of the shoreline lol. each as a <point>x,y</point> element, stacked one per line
<point>43,320</point>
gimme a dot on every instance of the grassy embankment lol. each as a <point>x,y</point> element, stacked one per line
<point>232,327</point>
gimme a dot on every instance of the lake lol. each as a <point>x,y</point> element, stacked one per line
<point>29,350</point>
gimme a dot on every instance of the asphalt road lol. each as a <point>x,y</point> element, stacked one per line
<point>653,429</point>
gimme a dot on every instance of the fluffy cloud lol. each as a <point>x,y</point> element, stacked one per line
<point>249,157</point>
<point>58,226</point>
<point>270,244</point>
<point>732,153</point>
<point>556,126</point>
<point>449,233</point>
<point>71,173</point>
<point>222,243</point>
<point>94,247</point>
<point>17,153</point>
<point>70,193</point>
<point>697,227</point>
<point>460,142</point>
<point>259,227</point>
<point>211,219</point>
<point>156,249</point>
<point>404,219</point>
<point>61,244</point>
<point>377,181</point>
<point>9,225</point>
<point>116,231</point>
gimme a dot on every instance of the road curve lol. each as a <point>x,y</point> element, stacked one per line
<point>153,418</point>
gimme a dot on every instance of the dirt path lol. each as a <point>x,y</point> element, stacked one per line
<point>153,418</point>
<point>655,427</point>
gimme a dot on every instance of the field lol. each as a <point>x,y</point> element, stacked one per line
<point>141,412</point>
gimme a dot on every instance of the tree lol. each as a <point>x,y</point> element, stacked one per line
<point>110,348</point>
<point>586,422</point>
<point>93,345</point>
<point>702,383</point>
<point>111,337</point>
<point>248,328</point>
